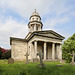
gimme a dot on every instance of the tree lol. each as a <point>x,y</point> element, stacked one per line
<point>68,47</point>
<point>0,53</point>
<point>6,55</point>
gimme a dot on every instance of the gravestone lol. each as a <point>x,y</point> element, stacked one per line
<point>59,65</point>
<point>27,58</point>
<point>35,60</point>
<point>41,61</point>
<point>73,63</point>
<point>10,61</point>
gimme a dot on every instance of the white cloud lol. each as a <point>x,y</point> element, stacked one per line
<point>72,13</point>
<point>50,22</point>
<point>12,28</point>
<point>51,10</point>
<point>26,7</point>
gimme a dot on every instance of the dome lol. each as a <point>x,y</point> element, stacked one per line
<point>35,13</point>
<point>35,16</point>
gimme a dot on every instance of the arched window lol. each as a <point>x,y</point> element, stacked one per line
<point>36,27</point>
<point>36,18</point>
<point>33,27</point>
<point>33,19</point>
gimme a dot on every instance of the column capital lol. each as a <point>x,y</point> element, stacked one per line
<point>35,40</point>
<point>53,42</point>
<point>45,41</point>
<point>59,43</point>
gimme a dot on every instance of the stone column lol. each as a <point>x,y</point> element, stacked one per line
<point>35,27</point>
<point>35,43</point>
<point>53,51</point>
<point>45,46</point>
<point>60,52</point>
<point>40,28</point>
<point>31,50</point>
<point>56,52</point>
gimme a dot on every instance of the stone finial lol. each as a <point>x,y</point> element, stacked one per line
<point>35,10</point>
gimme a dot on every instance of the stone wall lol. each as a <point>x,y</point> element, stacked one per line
<point>18,50</point>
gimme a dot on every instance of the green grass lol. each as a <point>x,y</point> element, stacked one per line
<point>20,68</point>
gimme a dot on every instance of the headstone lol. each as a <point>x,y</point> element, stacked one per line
<point>73,63</point>
<point>10,61</point>
<point>40,56</point>
<point>27,58</point>
<point>35,60</point>
<point>62,61</point>
<point>59,65</point>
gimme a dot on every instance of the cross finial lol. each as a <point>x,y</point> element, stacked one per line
<point>35,10</point>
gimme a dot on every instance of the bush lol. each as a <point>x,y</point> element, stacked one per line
<point>0,53</point>
<point>6,55</point>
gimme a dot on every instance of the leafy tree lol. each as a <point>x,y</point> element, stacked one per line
<point>6,55</point>
<point>68,47</point>
<point>0,53</point>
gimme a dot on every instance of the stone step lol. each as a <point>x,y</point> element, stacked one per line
<point>51,60</point>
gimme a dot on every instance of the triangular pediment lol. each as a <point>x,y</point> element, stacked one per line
<point>45,33</point>
<point>49,33</point>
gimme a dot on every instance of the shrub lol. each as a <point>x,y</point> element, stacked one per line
<point>0,53</point>
<point>6,55</point>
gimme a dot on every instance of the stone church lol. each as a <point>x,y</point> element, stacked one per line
<point>46,41</point>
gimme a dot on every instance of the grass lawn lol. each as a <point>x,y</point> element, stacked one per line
<point>19,68</point>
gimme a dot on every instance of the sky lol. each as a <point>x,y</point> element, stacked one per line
<point>57,15</point>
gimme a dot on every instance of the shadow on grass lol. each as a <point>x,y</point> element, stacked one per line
<point>1,71</point>
<point>23,72</point>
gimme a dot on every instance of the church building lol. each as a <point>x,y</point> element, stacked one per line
<point>47,41</point>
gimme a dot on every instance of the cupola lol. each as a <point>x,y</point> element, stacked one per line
<point>35,23</point>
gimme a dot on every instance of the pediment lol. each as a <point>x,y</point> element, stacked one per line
<point>46,33</point>
<point>50,34</point>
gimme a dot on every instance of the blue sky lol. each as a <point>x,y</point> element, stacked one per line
<point>57,15</point>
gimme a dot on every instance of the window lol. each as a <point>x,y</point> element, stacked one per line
<point>33,27</point>
<point>36,27</point>
<point>36,18</point>
<point>32,18</point>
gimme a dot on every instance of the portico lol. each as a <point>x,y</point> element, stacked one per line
<point>50,50</point>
